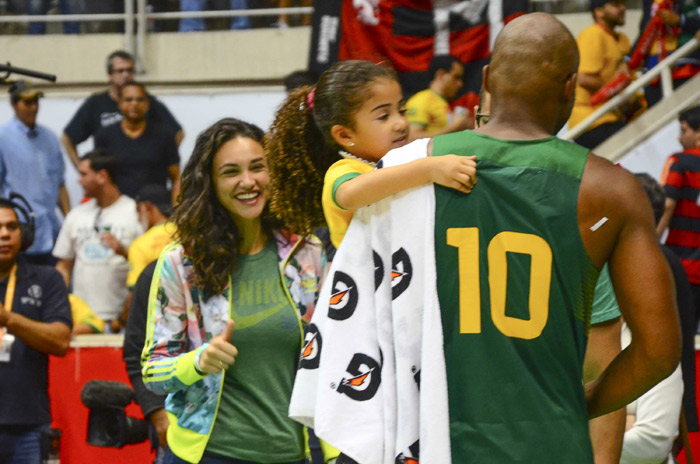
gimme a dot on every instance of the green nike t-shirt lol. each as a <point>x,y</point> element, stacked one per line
<point>252,422</point>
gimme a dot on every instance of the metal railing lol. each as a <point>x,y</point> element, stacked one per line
<point>663,69</point>
<point>136,20</point>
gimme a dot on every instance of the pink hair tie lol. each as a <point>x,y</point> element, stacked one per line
<point>310,98</point>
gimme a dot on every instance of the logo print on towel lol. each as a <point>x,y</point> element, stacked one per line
<point>311,353</point>
<point>401,272</point>
<point>378,270</point>
<point>411,457</point>
<point>366,377</point>
<point>343,297</point>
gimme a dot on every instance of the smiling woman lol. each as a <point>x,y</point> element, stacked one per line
<point>228,394</point>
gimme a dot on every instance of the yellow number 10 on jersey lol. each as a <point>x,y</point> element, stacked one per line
<point>466,240</point>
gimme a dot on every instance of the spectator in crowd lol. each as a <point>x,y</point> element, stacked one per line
<point>94,239</point>
<point>41,7</point>
<point>197,24</point>
<point>428,111</point>
<point>602,58</point>
<point>35,321</point>
<point>31,164</point>
<point>152,405</point>
<point>84,320</point>
<point>101,110</point>
<point>652,419</point>
<point>145,152</point>
<point>229,245</point>
<point>682,22</point>
<point>681,181</point>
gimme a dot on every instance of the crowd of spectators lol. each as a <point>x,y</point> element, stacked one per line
<point>608,62</point>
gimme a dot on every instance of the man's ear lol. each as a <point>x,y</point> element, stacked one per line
<point>344,136</point>
<point>485,78</point>
<point>150,208</point>
<point>439,74</point>
<point>597,12</point>
<point>102,176</point>
<point>570,87</point>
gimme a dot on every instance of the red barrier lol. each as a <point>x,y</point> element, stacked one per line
<point>67,376</point>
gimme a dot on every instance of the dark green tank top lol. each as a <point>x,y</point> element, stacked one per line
<point>515,286</point>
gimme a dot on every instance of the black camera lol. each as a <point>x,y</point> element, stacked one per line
<point>108,424</point>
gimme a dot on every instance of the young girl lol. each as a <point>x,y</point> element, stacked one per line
<point>325,142</point>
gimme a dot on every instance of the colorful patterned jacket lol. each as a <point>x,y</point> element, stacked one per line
<point>181,323</point>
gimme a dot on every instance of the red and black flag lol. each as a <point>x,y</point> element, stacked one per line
<point>408,33</point>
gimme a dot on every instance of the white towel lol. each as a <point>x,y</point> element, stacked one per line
<point>372,378</point>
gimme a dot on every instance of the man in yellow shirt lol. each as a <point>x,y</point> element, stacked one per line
<point>602,53</point>
<point>428,111</point>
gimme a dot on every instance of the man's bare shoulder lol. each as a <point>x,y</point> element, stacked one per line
<point>610,197</point>
<point>607,182</point>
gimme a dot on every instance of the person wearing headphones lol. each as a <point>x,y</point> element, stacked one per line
<point>35,321</point>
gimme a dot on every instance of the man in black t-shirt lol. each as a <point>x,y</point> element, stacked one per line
<point>101,110</point>
<point>145,152</point>
<point>35,321</point>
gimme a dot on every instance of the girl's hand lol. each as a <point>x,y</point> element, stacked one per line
<point>220,354</point>
<point>453,171</point>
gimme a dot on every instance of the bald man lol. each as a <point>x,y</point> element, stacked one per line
<point>528,244</point>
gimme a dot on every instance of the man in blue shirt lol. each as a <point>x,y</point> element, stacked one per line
<point>31,164</point>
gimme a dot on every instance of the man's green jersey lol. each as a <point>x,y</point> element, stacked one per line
<point>515,286</point>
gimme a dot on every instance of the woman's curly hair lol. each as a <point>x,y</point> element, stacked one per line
<point>205,228</point>
<point>300,147</point>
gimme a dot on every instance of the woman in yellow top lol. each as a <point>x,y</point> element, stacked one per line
<point>325,142</point>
